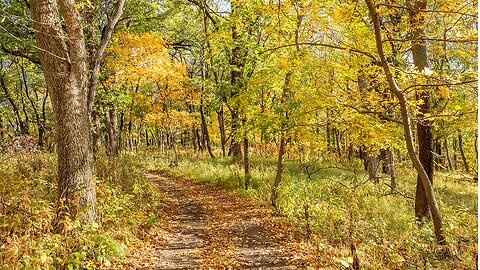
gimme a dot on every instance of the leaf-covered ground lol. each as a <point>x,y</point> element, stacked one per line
<point>212,228</point>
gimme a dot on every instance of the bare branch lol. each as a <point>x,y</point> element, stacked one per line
<point>441,84</point>
<point>325,45</point>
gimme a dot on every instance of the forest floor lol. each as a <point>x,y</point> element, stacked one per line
<point>206,227</point>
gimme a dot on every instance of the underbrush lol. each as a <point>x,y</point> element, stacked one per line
<point>344,207</point>
<point>127,206</point>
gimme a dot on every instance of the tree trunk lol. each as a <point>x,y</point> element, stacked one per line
<point>221,125</point>
<point>447,153</point>
<point>407,128</point>
<point>390,161</point>
<point>65,71</point>
<point>283,143</point>
<point>372,167</point>
<point>198,139</point>
<point>236,80</point>
<point>329,132</point>
<point>454,148</point>
<point>96,131</point>
<point>337,143</point>
<point>438,151</point>
<point>246,156</point>
<point>38,121</point>
<point>206,136</point>
<point>121,143</point>
<point>424,126</point>
<point>475,146</point>
<point>235,148</point>
<point>278,175</point>
<point>22,126</point>
<point>112,139</point>
<point>462,153</point>
<point>97,56</point>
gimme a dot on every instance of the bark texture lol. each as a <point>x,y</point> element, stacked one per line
<point>424,126</point>
<point>65,70</point>
<point>407,128</point>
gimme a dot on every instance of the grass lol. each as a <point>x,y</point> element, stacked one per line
<point>384,228</point>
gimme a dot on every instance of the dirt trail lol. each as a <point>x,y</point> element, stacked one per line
<point>214,229</point>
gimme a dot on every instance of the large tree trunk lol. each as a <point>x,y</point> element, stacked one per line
<point>424,126</point>
<point>65,71</point>
<point>407,128</point>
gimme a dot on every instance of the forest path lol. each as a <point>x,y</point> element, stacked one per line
<point>214,229</point>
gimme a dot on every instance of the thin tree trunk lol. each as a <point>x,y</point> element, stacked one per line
<point>40,126</point>
<point>97,59</point>
<point>2,129</point>
<point>24,110</point>
<point>454,148</point>
<point>447,153</point>
<point>221,125</point>
<point>199,140</point>
<point>246,156</point>
<point>174,146</point>
<point>464,159</point>
<point>475,146</point>
<point>121,144</point>
<point>194,139</point>
<point>329,132</point>
<point>282,146</point>
<point>438,150</point>
<point>22,128</point>
<point>112,139</point>
<point>337,143</point>
<point>278,175</point>
<point>205,130</point>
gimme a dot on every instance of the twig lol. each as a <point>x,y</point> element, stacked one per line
<point>395,191</point>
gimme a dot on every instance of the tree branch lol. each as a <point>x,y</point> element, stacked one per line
<point>369,55</point>
<point>25,55</point>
